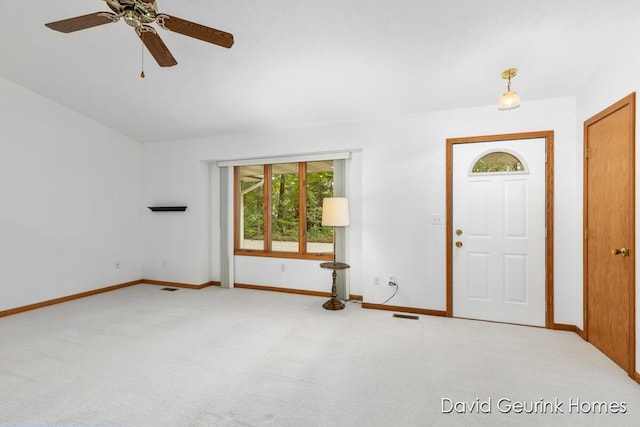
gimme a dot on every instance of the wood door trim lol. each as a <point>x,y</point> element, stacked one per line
<point>548,136</point>
<point>629,100</point>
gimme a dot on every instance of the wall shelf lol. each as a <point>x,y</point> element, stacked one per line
<point>168,208</point>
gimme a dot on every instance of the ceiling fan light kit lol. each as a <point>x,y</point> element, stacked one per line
<point>141,15</point>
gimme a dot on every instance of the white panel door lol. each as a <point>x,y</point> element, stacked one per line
<point>499,232</point>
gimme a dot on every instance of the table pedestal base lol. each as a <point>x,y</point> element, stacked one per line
<point>333,304</point>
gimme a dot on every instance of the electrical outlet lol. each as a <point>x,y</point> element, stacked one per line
<point>436,219</point>
<point>164,262</point>
<point>376,280</point>
<point>392,280</point>
<point>282,268</point>
<point>117,265</point>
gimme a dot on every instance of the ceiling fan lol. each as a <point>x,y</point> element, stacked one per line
<point>140,14</point>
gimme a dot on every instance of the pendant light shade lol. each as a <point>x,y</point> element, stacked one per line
<point>509,99</point>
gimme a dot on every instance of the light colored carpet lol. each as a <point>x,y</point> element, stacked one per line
<point>141,356</point>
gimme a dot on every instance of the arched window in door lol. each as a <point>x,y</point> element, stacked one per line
<point>498,162</point>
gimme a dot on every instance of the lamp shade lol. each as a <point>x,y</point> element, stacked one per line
<point>509,101</point>
<point>335,212</point>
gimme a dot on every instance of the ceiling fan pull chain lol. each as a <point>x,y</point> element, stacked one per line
<point>142,55</point>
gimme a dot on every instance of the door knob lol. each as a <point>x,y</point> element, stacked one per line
<point>621,251</point>
<point>458,244</point>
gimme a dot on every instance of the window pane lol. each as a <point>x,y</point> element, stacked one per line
<point>284,207</point>
<point>251,207</point>
<point>319,186</point>
<point>498,161</point>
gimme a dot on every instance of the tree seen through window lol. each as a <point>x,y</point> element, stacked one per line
<point>284,213</point>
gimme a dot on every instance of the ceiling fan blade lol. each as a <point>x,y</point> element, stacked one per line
<point>157,48</point>
<point>197,31</point>
<point>80,22</point>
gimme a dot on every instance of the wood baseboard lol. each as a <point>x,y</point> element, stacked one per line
<point>178,284</point>
<point>564,327</point>
<point>67,298</point>
<point>401,309</point>
<point>285,290</point>
<point>60,300</point>
<point>636,377</point>
<point>570,328</point>
<point>353,297</point>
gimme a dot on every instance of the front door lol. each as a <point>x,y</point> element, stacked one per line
<point>609,253</point>
<point>498,225</point>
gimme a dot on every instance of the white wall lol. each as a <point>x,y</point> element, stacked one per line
<point>69,201</point>
<point>176,243</point>
<point>185,172</point>
<point>397,183</point>
<point>411,151</point>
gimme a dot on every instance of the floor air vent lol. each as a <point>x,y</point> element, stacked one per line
<point>168,289</point>
<point>405,316</point>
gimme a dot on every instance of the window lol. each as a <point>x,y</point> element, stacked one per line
<point>281,216</point>
<point>319,185</point>
<point>497,161</point>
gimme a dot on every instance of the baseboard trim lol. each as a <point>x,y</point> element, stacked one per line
<point>570,328</point>
<point>401,309</point>
<point>284,290</point>
<point>67,298</point>
<point>353,297</point>
<point>178,284</point>
<point>60,300</point>
<point>636,377</point>
<point>564,327</point>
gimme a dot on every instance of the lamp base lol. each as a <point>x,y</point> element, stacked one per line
<point>333,304</point>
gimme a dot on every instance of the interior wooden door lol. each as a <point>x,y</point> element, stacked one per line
<point>609,251</point>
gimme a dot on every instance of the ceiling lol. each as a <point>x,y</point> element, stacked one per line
<point>309,62</point>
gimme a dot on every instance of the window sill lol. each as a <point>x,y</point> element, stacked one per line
<point>311,256</point>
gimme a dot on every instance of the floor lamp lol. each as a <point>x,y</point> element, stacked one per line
<point>335,213</point>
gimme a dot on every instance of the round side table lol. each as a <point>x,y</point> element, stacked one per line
<point>334,303</point>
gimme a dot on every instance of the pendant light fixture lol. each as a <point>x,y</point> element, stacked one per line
<point>510,99</point>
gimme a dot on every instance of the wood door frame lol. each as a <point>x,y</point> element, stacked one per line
<point>631,101</point>
<point>548,136</point>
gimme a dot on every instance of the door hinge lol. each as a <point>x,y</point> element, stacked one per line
<point>586,314</point>
<point>586,234</point>
<point>586,153</point>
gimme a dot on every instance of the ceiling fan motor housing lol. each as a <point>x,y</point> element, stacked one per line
<point>134,12</point>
